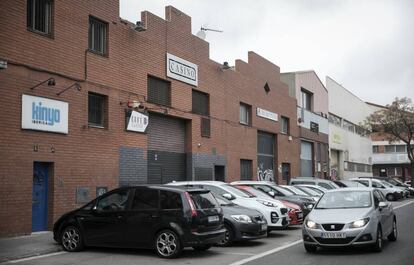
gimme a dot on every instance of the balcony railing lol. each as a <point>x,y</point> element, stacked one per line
<point>393,158</point>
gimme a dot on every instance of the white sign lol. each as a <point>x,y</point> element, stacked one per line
<point>267,114</point>
<point>182,70</point>
<point>138,122</point>
<point>44,114</point>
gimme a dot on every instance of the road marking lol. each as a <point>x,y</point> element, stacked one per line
<point>36,257</point>
<point>258,256</point>
<point>235,253</point>
<point>402,205</point>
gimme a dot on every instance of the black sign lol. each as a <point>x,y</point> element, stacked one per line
<point>314,127</point>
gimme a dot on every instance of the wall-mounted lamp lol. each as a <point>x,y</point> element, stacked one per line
<point>76,85</point>
<point>50,82</point>
<point>199,145</point>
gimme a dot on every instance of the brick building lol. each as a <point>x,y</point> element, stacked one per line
<point>91,102</point>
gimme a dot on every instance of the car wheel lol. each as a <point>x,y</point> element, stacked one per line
<point>390,197</point>
<point>71,239</point>
<point>167,244</point>
<point>202,247</point>
<point>310,248</point>
<point>393,235</point>
<point>228,237</point>
<point>377,247</point>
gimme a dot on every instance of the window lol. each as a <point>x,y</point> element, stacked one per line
<point>390,149</point>
<point>335,119</point>
<point>400,148</point>
<point>39,16</point>
<point>398,171</point>
<point>284,125</point>
<point>97,110</point>
<point>145,199</point>
<point>246,169</point>
<point>245,114</point>
<point>306,100</point>
<point>170,200</point>
<point>116,201</point>
<point>200,103</point>
<point>375,149</point>
<point>159,91</point>
<point>205,127</point>
<point>98,36</point>
<point>349,126</point>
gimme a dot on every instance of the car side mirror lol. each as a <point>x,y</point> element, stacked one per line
<point>228,196</point>
<point>272,193</point>
<point>382,205</point>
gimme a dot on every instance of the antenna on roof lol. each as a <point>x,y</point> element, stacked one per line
<point>202,33</point>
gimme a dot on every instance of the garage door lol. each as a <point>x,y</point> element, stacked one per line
<point>166,149</point>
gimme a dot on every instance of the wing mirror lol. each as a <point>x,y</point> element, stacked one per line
<point>382,205</point>
<point>228,196</point>
<point>271,193</point>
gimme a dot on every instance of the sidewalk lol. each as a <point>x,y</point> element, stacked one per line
<point>27,246</point>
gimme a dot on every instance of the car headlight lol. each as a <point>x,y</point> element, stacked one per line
<point>267,203</point>
<point>359,223</point>
<point>242,218</point>
<point>311,224</point>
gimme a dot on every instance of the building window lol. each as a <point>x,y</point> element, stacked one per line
<point>39,16</point>
<point>159,91</point>
<point>335,119</point>
<point>201,103</point>
<point>375,149</point>
<point>284,125</point>
<point>306,100</point>
<point>348,126</point>
<point>390,149</point>
<point>400,148</point>
<point>246,169</point>
<point>97,110</point>
<point>245,114</point>
<point>98,31</point>
<point>205,127</point>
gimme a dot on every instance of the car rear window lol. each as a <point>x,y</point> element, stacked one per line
<point>204,200</point>
<point>170,200</point>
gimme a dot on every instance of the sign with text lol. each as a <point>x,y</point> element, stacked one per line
<point>267,114</point>
<point>182,70</point>
<point>44,114</point>
<point>136,121</point>
<point>314,127</point>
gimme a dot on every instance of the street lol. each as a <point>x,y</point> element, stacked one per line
<point>281,247</point>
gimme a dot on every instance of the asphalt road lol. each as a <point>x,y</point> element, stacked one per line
<point>281,247</point>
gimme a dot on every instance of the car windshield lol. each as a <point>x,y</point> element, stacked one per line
<point>224,202</point>
<point>295,190</point>
<point>344,200</point>
<point>235,191</point>
<point>309,191</point>
<point>284,191</point>
<point>386,184</point>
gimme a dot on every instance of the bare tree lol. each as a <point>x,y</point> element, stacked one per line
<point>396,123</point>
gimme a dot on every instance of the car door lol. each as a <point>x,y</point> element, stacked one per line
<point>382,212</point>
<point>380,187</point>
<point>104,225</point>
<point>388,215</point>
<point>143,217</point>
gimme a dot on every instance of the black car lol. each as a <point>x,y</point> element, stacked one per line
<point>241,223</point>
<point>164,218</point>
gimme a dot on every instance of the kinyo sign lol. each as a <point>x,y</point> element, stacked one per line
<point>44,114</point>
<point>182,70</point>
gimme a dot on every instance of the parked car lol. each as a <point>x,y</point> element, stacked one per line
<point>305,202</point>
<point>294,211</point>
<point>297,191</point>
<point>391,194</point>
<point>350,216</point>
<point>324,183</point>
<point>163,218</point>
<point>241,223</point>
<point>321,190</point>
<point>400,184</point>
<point>315,194</point>
<point>404,191</point>
<point>348,184</point>
<point>275,213</point>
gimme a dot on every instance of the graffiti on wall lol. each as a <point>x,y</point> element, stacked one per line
<point>264,174</point>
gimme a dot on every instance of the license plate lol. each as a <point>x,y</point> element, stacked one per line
<point>264,227</point>
<point>333,235</point>
<point>213,218</point>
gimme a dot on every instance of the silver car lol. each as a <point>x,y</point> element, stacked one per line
<point>350,216</point>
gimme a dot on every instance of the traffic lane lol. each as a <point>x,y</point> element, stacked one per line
<point>399,252</point>
<point>216,255</point>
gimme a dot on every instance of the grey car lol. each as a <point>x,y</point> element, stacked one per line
<point>350,216</point>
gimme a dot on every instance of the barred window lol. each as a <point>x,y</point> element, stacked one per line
<point>39,16</point>
<point>97,110</point>
<point>245,114</point>
<point>159,91</point>
<point>200,103</point>
<point>246,169</point>
<point>335,119</point>
<point>284,126</point>
<point>205,127</point>
<point>98,36</point>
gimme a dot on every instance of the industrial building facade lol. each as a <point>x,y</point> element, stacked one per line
<point>92,102</point>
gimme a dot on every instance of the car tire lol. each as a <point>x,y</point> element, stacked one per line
<point>390,197</point>
<point>71,239</point>
<point>228,237</point>
<point>202,247</point>
<point>167,244</point>
<point>394,233</point>
<point>310,248</point>
<point>377,247</point>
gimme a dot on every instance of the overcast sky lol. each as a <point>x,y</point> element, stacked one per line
<point>367,45</point>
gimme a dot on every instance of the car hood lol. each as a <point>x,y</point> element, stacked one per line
<point>322,216</point>
<point>237,209</point>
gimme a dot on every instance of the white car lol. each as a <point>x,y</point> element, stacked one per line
<point>405,192</point>
<point>274,211</point>
<point>391,194</point>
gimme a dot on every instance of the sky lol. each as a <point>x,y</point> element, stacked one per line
<point>367,46</point>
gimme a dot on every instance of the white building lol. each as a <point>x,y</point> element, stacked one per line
<point>350,147</point>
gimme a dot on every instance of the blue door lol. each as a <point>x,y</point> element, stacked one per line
<point>39,197</point>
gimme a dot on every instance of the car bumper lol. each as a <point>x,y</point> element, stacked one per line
<point>252,231</point>
<point>356,236</point>
<point>296,218</point>
<point>205,238</point>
